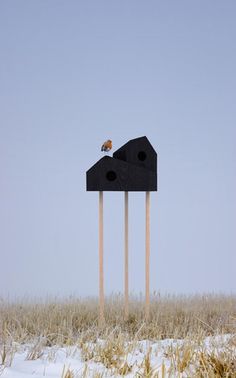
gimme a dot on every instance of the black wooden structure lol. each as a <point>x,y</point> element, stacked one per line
<point>133,167</point>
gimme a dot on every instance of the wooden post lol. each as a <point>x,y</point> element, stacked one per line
<point>126,257</point>
<point>101,275</point>
<point>147,275</point>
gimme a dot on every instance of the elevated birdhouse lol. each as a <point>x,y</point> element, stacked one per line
<point>133,167</point>
<point>139,152</point>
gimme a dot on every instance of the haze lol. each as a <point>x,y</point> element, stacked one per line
<point>75,73</point>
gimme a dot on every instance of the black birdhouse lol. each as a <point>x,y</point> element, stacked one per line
<point>133,167</point>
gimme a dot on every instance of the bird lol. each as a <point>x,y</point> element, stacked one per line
<point>107,146</point>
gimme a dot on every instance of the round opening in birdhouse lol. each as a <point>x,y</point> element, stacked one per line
<point>111,176</point>
<point>142,155</point>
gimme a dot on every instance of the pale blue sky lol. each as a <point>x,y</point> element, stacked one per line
<point>74,73</point>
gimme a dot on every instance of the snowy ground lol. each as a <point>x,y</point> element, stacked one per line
<point>27,360</point>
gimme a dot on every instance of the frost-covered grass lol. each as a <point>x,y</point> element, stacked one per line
<point>187,336</point>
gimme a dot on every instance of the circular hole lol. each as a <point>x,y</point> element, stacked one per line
<point>111,176</point>
<point>142,155</point>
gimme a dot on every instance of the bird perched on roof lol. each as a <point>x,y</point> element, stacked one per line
<point>107,146</point>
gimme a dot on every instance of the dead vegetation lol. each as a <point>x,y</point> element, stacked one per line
<point>43,324</point>
<point>63,322</point>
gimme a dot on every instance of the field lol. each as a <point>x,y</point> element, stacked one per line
<point>187,336</point>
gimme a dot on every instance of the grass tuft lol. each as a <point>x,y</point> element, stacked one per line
<point>43,324</point>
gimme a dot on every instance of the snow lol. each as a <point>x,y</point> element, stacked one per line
<point>55,361</point>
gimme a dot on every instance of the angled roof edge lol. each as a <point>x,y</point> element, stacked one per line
<point>134,139</point>
<point>99,161</point>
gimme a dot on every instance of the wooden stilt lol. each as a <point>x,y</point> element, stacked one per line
<point>147,274</point>
<point>101,274</point>
<point>126,257</point>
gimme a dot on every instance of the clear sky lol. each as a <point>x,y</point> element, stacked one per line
<point>75,73</point>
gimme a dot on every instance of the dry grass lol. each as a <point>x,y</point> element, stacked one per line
<point>216,365</point>
<point>63,322</point>
<point>75,322</point>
